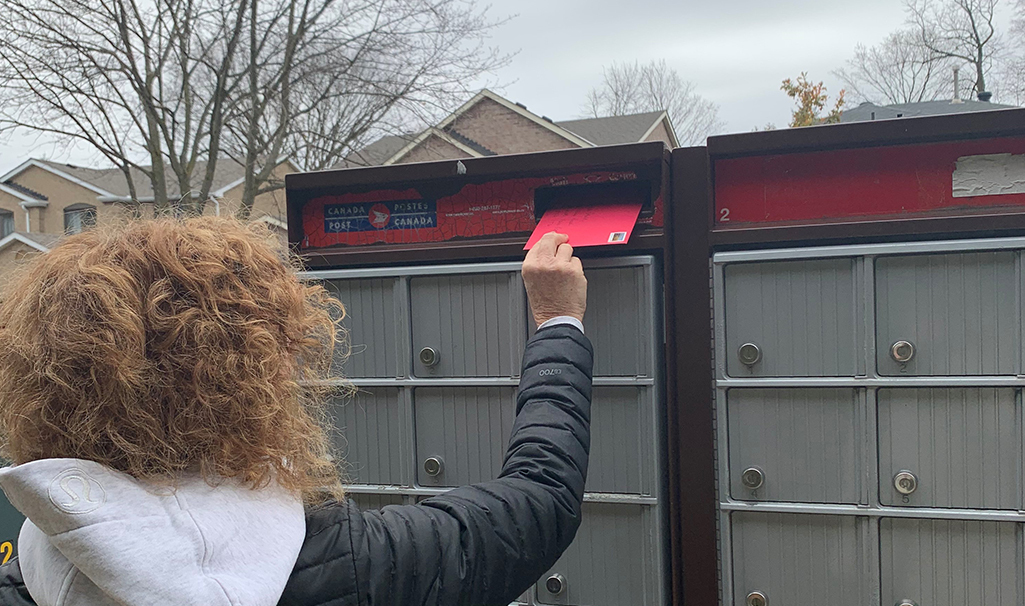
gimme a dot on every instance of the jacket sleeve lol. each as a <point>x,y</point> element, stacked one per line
<point>12,586</point>
<point>476,545</point>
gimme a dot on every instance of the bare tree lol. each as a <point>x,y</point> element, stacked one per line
<point>897,70</point>
<point>1011,71</point>
<point>959,30</point>
<point>133,80</point>
<point>1011,89</point>
<point>635,88</point>
<point>161,88</point>
<point>344,75</point>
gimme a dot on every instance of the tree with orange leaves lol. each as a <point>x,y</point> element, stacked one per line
<point>811,100</point>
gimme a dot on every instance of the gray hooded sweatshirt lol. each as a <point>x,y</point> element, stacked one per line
<point>98,537</point>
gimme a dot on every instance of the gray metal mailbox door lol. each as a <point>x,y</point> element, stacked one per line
<point>950,562</point>
<point>623,458</point>
<point>962,446</point>
<point>791,560</point>
<point>612,561</point>
<point>371,435</point>
<point>618,320</point>
<point>796,445</point>
<point>372,325</point>
<point>792,318</point>
<point>461,433</point>
<point>958,313</point>
<point>474,324</point>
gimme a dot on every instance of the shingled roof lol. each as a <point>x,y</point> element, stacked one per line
<point>870,111</point>
<point>112,180</point>
<point>613,129</point>
<point>24,190</point>
<point>377,152</point>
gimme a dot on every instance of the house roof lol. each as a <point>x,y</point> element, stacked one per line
<point>377,152</point>
<point>588,132</point>
<point>614,129</point>
<point>110,182</point>
<point>870,111</point>
<point>518,108</point>
<point>40,242</point>
<point>463,141</point>
<point>26,191</point>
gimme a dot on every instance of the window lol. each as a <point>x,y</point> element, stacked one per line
<point>6,223</point>
<point>78,218</point>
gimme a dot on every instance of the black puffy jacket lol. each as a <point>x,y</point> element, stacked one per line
<point>474,546</point>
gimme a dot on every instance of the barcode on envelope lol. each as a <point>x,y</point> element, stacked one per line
<point>617,236</point>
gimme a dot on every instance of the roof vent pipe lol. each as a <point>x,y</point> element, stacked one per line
<point>957,98</point>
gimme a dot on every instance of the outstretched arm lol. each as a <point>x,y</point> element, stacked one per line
<point>487,543</point>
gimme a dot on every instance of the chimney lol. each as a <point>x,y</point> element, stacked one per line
<point>957,98</point>
<point>985,96</point>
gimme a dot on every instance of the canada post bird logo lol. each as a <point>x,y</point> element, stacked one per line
<point>379,216</point>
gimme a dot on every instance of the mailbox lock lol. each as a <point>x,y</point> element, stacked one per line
<point>902,351</point>
<point>749,354</point>
<point>555,584</point>
<point>905,482</point>
<point>433,466</point>
<point>429,356</point>
<point>752,478</point>
<point>757,598</point>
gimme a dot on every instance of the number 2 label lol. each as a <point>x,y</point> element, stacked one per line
<point>724,215</point>
<point>7,549</point>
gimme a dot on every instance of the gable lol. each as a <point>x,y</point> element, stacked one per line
<point>432,148</point>
<point>54,187</point>
<point>661,133</point>
<point>501,130</point>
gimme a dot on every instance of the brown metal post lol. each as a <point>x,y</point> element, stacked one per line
<point>691,447</point>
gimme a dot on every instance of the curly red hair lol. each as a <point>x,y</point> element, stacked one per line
<point>165,346</point>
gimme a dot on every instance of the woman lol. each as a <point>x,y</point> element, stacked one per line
<point>155,399</point>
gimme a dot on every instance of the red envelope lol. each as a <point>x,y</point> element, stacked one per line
<point>602,225</point>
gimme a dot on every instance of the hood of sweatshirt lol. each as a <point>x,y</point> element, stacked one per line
<point>98,537</point>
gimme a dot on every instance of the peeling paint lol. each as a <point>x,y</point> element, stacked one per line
<point>989,175</point>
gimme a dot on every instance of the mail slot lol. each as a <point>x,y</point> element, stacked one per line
<point>426,257</point>
<point>642,192</point>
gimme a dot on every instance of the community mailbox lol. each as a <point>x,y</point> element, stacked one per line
<point>426,259</point>
<point>867,296</point>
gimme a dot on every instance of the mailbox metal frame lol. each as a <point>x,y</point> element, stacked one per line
<point>699,247</point>
<point>648,245</point>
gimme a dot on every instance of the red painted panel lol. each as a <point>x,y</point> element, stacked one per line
<point>852,184</point>
<point>474,211</point>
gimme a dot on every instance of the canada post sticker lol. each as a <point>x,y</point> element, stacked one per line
<point>380,216</point>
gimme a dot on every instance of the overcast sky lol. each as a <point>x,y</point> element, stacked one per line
<point>735,51</point>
